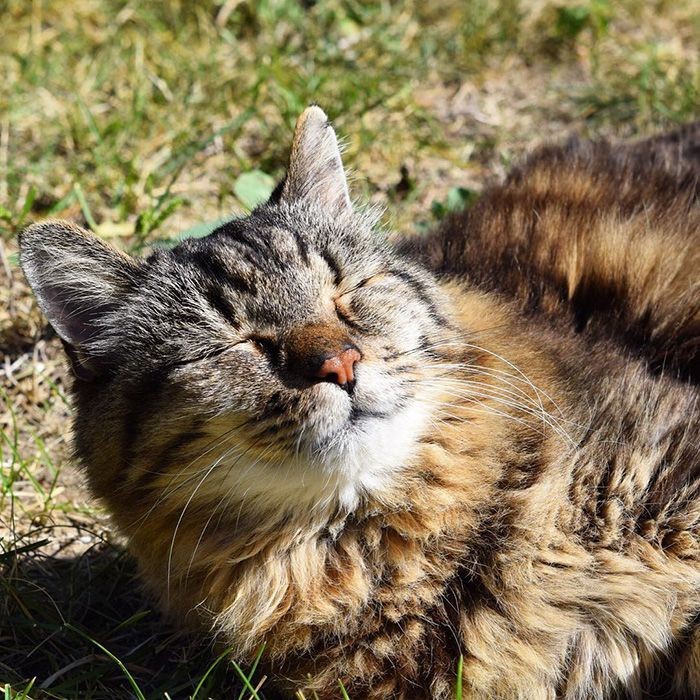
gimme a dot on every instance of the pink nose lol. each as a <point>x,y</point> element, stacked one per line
<point>340,368</point>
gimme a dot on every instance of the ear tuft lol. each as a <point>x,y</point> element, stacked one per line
<point>315,166</point>
<point>77,279</point>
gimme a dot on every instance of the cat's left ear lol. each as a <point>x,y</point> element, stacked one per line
<point>315,166</point>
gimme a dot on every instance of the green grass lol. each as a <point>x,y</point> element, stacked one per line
<point>146,120</point>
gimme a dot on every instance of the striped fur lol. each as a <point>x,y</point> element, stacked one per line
<point>514,478</point>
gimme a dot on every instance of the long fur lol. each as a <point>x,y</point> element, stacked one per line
<point>514,479</point>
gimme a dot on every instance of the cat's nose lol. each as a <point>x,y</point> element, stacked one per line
<point>339,368</point>
<point>322,352</point>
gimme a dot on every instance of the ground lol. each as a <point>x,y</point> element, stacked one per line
<point>144,120</point>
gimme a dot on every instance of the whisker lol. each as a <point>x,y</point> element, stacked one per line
<point>182,515</point>
<point>556,420</point>
<point>474,395</point>
<point>218,508</point>
<point>168,491</point>
<point>446,341</point>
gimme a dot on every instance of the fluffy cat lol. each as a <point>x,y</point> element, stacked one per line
<point>375,456</point>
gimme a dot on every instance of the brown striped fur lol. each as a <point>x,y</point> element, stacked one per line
<point>606,236</point>
<point>538,508</point>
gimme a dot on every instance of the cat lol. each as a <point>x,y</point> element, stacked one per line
<point>388,458</point>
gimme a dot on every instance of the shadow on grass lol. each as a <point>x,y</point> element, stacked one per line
<point>56,611</point>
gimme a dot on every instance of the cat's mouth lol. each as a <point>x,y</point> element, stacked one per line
<point>326,442</point>
<point>341,420</point>
<point>359,414</point>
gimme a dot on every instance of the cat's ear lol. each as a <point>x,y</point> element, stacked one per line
<point>77,279</point>
<point>315,166</point>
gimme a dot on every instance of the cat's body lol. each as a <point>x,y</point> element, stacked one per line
<point>314,444</point>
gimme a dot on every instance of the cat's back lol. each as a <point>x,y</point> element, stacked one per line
<point>605,236</point>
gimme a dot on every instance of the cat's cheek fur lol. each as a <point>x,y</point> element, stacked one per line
<point>378,391</point>
<point>364,462</point>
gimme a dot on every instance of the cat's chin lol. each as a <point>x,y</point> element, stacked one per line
<point>348,454</point>
<point>337,415</point>
<point>349,431</point>
<point>346,447</point>
<point>366,449</point>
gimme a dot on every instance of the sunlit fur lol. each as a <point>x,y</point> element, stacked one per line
<point>514,479</point>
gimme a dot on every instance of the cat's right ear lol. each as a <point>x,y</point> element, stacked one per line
<point>77,279</point>
<point>315,166</point>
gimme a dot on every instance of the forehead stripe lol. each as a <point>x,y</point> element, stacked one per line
<point>215,268</point>
<point>302,246</point>
<point>217,299</point>
<point>333,265</point>
<point>422,293</point>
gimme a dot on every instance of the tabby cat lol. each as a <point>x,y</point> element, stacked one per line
<point>379,455</point>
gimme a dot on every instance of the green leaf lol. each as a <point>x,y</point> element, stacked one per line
<point>458,198</point>
<point>85,207</point>
<point>134,685</point>
<point>26,208</point>
<point>150,219</point>
<point>24,694</point>
<point>253,188</point>
<point>62,204</point>
<point>201,230</point>
<point>571,21</point>
<point>7,556</point>
<point>246,681</point>
<point>217,661</point>
<point>253,668</point>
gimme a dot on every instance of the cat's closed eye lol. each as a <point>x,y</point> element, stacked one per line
<point>265,345</point>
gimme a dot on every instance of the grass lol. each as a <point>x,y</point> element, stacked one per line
<point>146,120</point>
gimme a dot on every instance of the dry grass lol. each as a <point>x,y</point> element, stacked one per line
<point>138,119</point>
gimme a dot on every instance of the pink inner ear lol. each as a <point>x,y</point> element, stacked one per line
<point>73,318</point>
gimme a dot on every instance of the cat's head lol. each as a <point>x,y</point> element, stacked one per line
<point>275,359</point>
